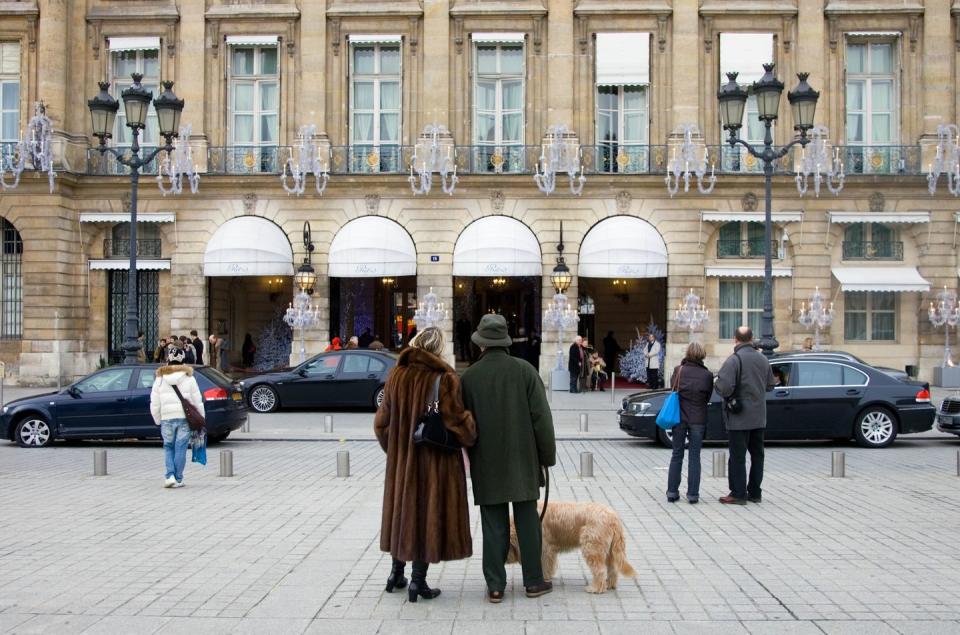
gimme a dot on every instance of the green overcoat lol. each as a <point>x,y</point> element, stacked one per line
<point>514,428</point>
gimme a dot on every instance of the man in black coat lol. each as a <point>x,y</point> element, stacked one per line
<point>198,346</point>
<point>576,362</point>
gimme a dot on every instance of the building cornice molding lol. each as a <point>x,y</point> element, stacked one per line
<point>8,8</point>
<point>495,8</point>
<point>607,7</point>
<point>342,8</point>
<point>748,7</point>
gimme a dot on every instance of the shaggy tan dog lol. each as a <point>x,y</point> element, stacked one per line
<point>595,529</point>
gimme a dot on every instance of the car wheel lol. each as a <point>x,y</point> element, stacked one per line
<point>34,431</point>
<point>875,428</point>
<point>665,437</point>
<point>378,398</point>
<point>217,438</point>
<point>263,398</point>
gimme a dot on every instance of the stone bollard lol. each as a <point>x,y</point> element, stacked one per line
<point>246,426</point>
<point>99,462</point>
<point>226,463</point>
<point>343,463</point>
<point>838,464</point>
<point>584,422</point>
<point>328,423</point>
<point>586,464</point>
<point>719,464</point>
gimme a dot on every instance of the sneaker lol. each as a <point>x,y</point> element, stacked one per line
<point>169,482</point>
<point>178,484</point>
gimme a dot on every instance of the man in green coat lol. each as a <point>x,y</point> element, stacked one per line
<point>515,441</point>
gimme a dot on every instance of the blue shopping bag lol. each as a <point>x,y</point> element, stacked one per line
<point>669,415</point>
<point>199,443</point>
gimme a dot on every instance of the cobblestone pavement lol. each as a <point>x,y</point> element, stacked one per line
<point>287,547</point>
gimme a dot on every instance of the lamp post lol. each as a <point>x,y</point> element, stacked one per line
<point>559,315</point>
<point>803,102</point>
<point>818,315</point>
<point>945,313</point>
<point>103,113</point>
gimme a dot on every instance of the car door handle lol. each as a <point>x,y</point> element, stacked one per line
<point>782,393</point>
<point>372,376</point>
<point>853,391</point>
<point>121,398</point>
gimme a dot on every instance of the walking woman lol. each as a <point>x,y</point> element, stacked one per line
<point>694,383</point>
<point>168,412</point>
<point>425,510</point>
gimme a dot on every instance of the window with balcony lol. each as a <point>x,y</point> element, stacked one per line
<point>375,106</point>
<point>743,240</point>
<point>498,105</point>
<point>9,92</point>
<point>745,53</point>
<point>254,108</point>
<point>870,316</point>
<point>871,241</point>
<point>623,87</point>
<point>872,98</point>
<point>118,245</point>
<point>741,303</point>
<point>126,59</point>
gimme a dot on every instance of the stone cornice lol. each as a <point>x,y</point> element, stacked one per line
<point>497,7</point>
<point>19,8</point>
<point>741,7</point>
<point>607,7</point>
<point>343,8</point>
<point>259,12</point>
<point>131,14</point>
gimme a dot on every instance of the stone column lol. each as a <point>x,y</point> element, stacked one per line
<point>811,48</point>
<point>52,76</point>
<point>559,106</point>
<point>191,85</point>
<point>685,75</point>
<point>436,63</point>
<point>938,45</point>
<point>311,81</point>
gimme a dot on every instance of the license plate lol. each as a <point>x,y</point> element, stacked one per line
<point>237,396</point>
<point>944,419</point>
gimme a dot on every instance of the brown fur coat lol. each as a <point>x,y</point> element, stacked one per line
<point>425,509</point>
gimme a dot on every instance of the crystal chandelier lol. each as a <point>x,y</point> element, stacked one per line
<point>945,313</point>
<point>815,160</point>
<point>690,314</point>
<point>947,160</point>
<point>437,159</point>
<point>37,147</point>
<point>561,153</point>
<point>559,316</point>
<point>178,165</point>
<point>430,312</point>
<point>688,164</point>
<point>305,159</point>
<point>302,315</point>
<point>818,315</point>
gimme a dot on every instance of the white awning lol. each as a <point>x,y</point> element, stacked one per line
<point>252,40</point>
<point>874,217</point>
<point>880,279</point>
<point>248,246</point>
<point>497,246</point>
<point>374,39</point>
<point>498,38</point>
<point>745,53</point>
<point>622,247</point>
<point>750,217</point>
<point>370,247</point>
<point>873,33</point>
<point>623,59</point>
<point>747,272</point>
<point>122,264</point>
<point>148,43</point>
<point>123,217</point>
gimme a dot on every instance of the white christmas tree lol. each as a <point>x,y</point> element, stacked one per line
<point>633,364</point>
<point>273,344</point>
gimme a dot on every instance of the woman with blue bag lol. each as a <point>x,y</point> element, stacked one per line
<point>692,383</point>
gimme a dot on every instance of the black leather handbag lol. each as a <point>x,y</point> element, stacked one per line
<point>430,431</point>
<point>732,404</point>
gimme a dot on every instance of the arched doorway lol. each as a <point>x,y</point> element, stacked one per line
<point>497,268</point>
<point>373,282</point>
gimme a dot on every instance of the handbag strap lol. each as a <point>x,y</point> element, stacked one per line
<point>183,402</point>
<point>676,385</point>
<point>434,404</point>
<point>546,491</point>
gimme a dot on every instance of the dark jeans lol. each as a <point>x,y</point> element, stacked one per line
<point>495,521</point>
<point>680,435</point>
<point>742,441</point>
<point>653,378</point>
<point>574,381</point>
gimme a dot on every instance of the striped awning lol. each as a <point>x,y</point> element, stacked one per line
<point>123,217</point>
<point>750,217</point>
<point>119,264</point>
<point>252,40</point>
<point>623,59</point>
<point>498,38</point>
<point>880,279</point>
<point>747,272</point>
<point>379,38</point>
<point>849,218</point>
<point>147,43</point>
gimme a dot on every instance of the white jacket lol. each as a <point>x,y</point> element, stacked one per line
<point>164,403</point>
<point>653,355</point>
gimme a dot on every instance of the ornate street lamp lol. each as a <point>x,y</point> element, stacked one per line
<point>558,314</point>
<point>733,100</point>
<point>561,276</point>
<point>306,277</point>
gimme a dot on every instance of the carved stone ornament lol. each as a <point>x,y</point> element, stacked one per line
<point>749,202</point>
<point>249,203</point>
<point>125,202</point>
<point>373,203</point>
<point>877,202</point>
<point>624,198</point>
<point>497,199</point>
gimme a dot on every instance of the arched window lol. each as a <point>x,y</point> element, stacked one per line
<point>11,282</point>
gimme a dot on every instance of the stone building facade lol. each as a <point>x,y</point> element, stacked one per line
<point>496,74</point>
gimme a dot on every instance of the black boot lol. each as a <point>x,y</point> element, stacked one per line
<point>396,579</point>
<point>418,583</point>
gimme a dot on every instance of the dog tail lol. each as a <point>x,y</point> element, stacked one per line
<point>619,552</point>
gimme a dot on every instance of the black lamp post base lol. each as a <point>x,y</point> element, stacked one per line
<point>768,345</point>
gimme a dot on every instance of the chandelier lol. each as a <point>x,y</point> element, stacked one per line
<point>947,160</point>
<point>689,164</point>
<point>37,147</point>
<point>178,164</point>
<point>430,312</point>
<point>690,314</point>
<point>436,159</point>
<point>559,316</point>
<point>945,313</point>
<point>818,315</point>
<point>498,282</point>
<point>815,160</point>
<point>305,159</point>
<point>561,153</point>
<point>302,315</point>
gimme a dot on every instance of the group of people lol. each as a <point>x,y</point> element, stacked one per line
<point>499,414</point>
<point>587,368</point>
<point>366,340</point>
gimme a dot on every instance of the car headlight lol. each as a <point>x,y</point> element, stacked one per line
<point>639,407</point>
<point>5,408</point>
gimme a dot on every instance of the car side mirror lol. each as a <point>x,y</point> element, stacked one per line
<point>302,372</point>
<point>73,392</point>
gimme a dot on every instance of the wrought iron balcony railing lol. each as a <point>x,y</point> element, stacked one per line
<point>746,249</point>
<point>146,248</point>
<point>867,250</point>
<point>105,164</point>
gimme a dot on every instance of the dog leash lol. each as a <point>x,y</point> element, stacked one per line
<point>546,491</point>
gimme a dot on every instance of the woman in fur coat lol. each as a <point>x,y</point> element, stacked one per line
<point>426,516</point>
<point>168,412</point>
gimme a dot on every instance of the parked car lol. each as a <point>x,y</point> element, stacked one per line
<point>850,357</point>
<point>114,403</point>
<point>948,416</point>
<point>336,379</point>
<point>818,397</point>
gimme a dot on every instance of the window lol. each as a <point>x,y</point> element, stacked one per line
<point>11,282</point>
<point>741,240</point>
<point>9,92</point>
<point>869,316</point>
<point>741,302</point>
<point>623,78</point>
<point>148,241</point>
<point>745,53</point>
<point>112,380</point>
<point>148,308</point>
<point>782,374</point>
<point>254,104</point>
<point>122,64</point>
<point>147,375</point>
<point>325,365</point>
<point>355,364</point>
<point>375,107</point>
<point>871,241</point>
<point>872,96</point>
<point>498,106</point>
<point>819,374</point>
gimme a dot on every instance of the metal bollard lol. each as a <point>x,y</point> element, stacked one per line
<point>613,387</point>
<point>343,463</point>
<point>99,462</point>
<point>550,388</point>
<point>328,423</point>
<point>719,464</point>
<point>958,462</point>
<point>584,422</point>
<point>838,464</point>
<point>226,463</point>
<point>586,464</point>
<point>246,426</point>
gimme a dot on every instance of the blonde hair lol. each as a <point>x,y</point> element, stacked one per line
<point>696,352</point>
<point>429,339</point>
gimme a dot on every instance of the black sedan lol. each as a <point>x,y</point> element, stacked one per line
<point>817,397</point>
<point>948,417</point>
<point>114,403</point>
<point>335,379</point>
